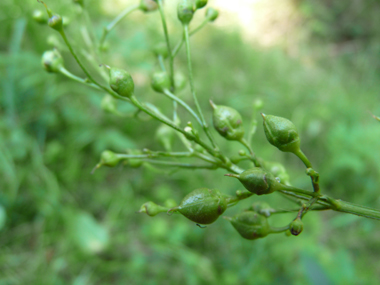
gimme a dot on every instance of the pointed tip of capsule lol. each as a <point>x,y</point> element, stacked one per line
<point>263,115</point>
<point>95,168</point>
<point>232,175</point>
<point>212,104</point>
<point>227,218</point>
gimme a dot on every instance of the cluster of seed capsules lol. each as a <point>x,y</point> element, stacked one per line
<point>203,206</point>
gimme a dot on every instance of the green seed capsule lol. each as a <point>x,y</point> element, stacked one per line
<point>152,209</point>
<point>228,122</point>
<point>148,5</point>
<point>202,205</point>
<point>281,133</point>
<point>212,14</point>
<point>179,81</point>
<point>79,2</point>
<point>161,49</point>
<point>40,17</point>
<point>160,81</point>
<point>52,61</point>
<point>257,181</point>
<point>121,82</point>
<point>109,158</point>
<point>200,3</point>
<point>108,104</point>
<point>296,227</point>
<point>56,22</point>
<point>262,208</point>
<point>185,11</point>
<point>279,171</point>
<point>250,225</point>
<point>134,162</point>
<point>165,136</point>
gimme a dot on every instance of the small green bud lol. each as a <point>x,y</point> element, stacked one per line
<point>121,82</point>
<point>211,14</point>
<point>56,22</point>
<point>258,104</point>
<point>200,4</point>
<point>134,162</point>
<point>52,61</point>
<point>160,81</point>
<point>179,81</point>
<point>250,225</point>
<point>148,5</point>
<point>108,104</point>
<point>152,209</point>
<point>203,206</point>
<point>40,17</point>
<point>257,181</point>
<point>228,122</point>
<point>170,203</point>
<point>296,226</point>
<point>185,11</point>
<point>262,208</point>
<point>161,49</point>
<point>281,133</point>
<point>109,158</point>
<point>165,136</point>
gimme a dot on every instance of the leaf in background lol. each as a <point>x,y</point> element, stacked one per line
<point>85,232</point>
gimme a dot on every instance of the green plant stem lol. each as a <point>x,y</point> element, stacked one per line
<point>183,104</point>
<point>180,43</point>
<point>191,79</point>
<point>161,62</point>
<point>68,74</point>
<point>155,154</point>
<point>177,164</point>
<point>315,208</point>
<point>90,78</point>
<point>275,230</point>
<point>118,18</point>
<point>252,154</point>
<point>165,27</point>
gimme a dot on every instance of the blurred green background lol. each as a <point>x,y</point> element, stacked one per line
<point>61,225</point>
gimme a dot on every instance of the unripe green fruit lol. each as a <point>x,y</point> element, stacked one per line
<point>40,17</point>
<point>228,122</point>
<point>134,162</point>
<point>296,227</point>
<point>52,61</point>
<point>202,205</point>
<point>152,209</point>
<point>56,22</point>
<point>121,82</point>
<point>257,181</point>
<point>160,81</point>
<point>262,208</point>
<point>212,14</point>
<point>109,158</point>
<point>161,49</point>
<point>179,81</point>
<point>185,11</point>
<point>165,136</point>
<point>250,225</point>
<point>108,104</point>
<point>200,3</point>
<point>279,171</point>
<point>281,133</point>
<point>79,2</point>
<point>148,5</point>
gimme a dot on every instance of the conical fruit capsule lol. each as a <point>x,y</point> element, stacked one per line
<point>161,49</point>
<point>121,82</point>
<point>148,5</point>
<point>179,81</point>
<point>257,181</point>
<point>250,225</point>
<point>202,205</point>
<point>200,3</point>
<point>296,227</point>
<point>152,209</point>
<point>228,122</point>
<point>185,11</point>
<point>109,158</point>
<point>279,171</point>
<point>52,61</point>
<point>262,208</point>
<point>40,17</point>
<point>160,82</point>
<point>165,136</point>
<point>212,14</point>
<point>56,22</point>
<point>108,104</point>
<point>281,133</point>
<point>134,162</point>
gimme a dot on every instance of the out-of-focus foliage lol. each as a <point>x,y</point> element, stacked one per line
<point>59,224</point>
